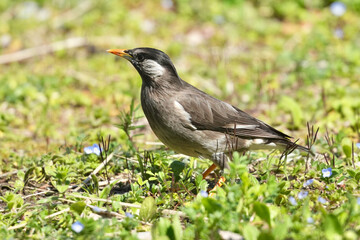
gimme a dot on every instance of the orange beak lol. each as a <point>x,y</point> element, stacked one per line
<point>119,52</point>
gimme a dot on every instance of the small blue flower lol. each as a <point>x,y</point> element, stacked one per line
<point>204,193</point>
<point>326,172</point>
<point>358,200</point>
<point>358,145</point>
<point>302,194</point>
<point>219,19</point>
<point>338,8</point>
<point>93,149</point>
<point>167,4</point>
<point>322,200</point>
<point>77,226</point>
<point>97,209</point>
<point>308,182</point>
<point>129,215</point>
<point>338,33</point>
<point>292,201</point>
<point>310,220</point>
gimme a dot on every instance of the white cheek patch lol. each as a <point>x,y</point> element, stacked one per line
<point>152,68</point>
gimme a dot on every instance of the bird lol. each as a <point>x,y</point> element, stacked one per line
<point>192,122</point>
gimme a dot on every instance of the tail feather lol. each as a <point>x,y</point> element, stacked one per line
<point>288,143</point>
<point>305,149</point>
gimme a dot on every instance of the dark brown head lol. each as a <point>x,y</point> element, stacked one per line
<point>153,65</point>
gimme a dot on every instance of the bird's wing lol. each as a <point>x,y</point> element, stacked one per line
<point>208,113</point>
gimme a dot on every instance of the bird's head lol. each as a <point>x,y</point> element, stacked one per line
<point>153,65</point>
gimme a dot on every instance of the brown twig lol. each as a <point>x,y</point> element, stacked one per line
<point>43,50</point>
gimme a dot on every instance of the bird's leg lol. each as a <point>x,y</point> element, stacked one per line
<point>221,160</point>
<point>219,183</point>
<point>209,170</point>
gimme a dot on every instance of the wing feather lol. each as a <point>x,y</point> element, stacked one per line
<point>208,113</point>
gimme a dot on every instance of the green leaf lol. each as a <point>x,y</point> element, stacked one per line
<point>281,227</point>
<point>177,167</point>
<point>203,185</point>
<point>162,176</point>
<point>263,212</point>
<point>21,174</point>
<point>211,205</point>
<point>28,174</point>
<point>332,227</point>
<point>290,105</point>
<point>166,230</point>
<point>61,187</point>
<point>78,207</point>
<point>250,232</point>
<point>266,236</point>
<point>106,191</point>
<point>96,183</point>
<point>346,147</point>
<point>351,172</point>
<point>357,176</point>
<point>160,229</point>
<point>176,225</point>
<point>12,200</point>
<point>140,181</point>
<point>148,209</point>
<point>49,170</point>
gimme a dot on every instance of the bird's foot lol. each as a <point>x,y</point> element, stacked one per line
<point>219,183</point>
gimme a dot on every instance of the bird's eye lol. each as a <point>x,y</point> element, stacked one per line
<point>140,57</point>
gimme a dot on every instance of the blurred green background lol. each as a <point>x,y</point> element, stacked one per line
<point>285,62</point>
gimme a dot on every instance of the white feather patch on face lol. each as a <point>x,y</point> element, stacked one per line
<point>185,116</point>
<point>152,68</point>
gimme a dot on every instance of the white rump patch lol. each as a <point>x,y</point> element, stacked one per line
<point>240,126</point>
<point>259,143</point>
<point>184,115</point>
<point>152,68</point>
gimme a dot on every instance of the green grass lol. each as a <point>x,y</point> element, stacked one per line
<point>278,60</point>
